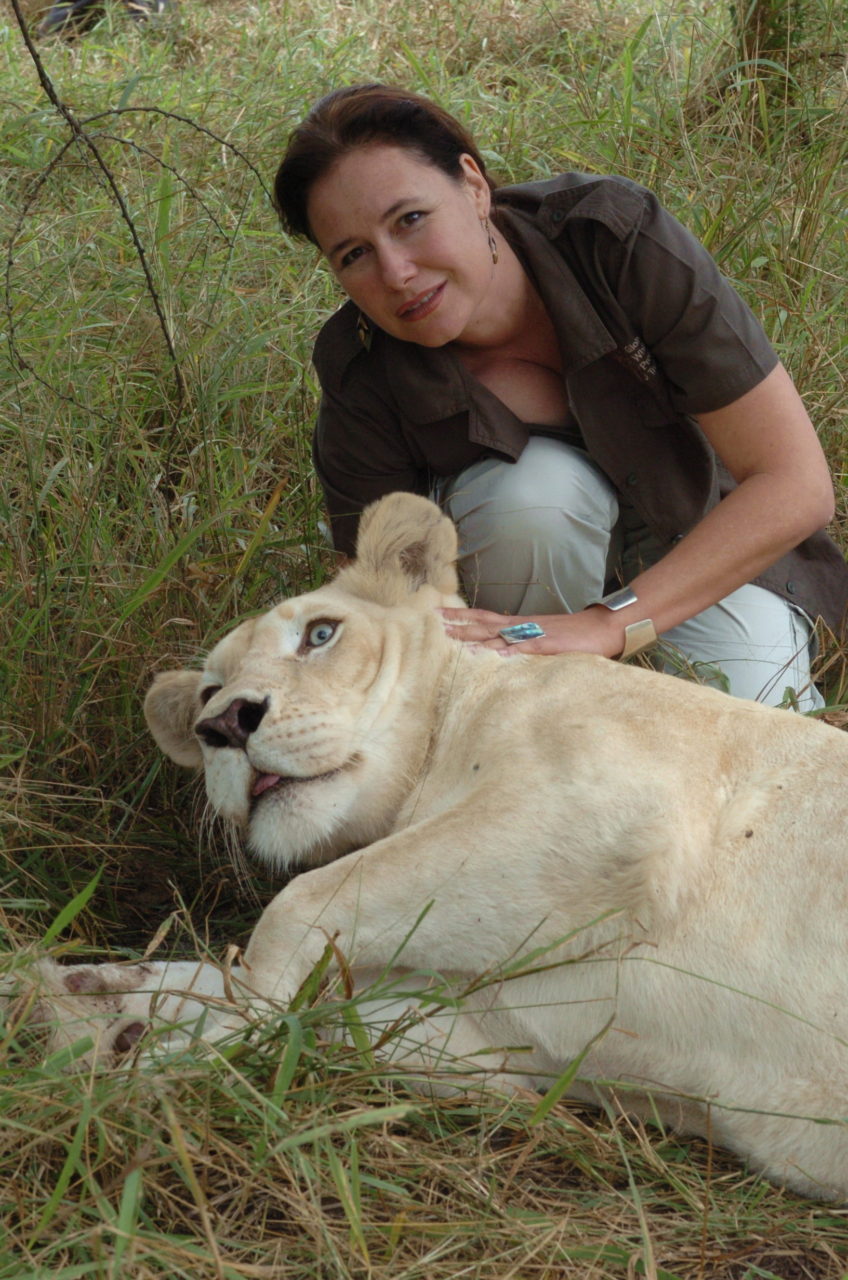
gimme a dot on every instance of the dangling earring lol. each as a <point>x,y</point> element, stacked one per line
<point>363,331</point>
<point>493,244</point>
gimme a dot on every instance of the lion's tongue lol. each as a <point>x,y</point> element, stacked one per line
<point>264,781</point>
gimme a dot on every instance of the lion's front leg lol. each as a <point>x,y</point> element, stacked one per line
<point>432,897</point>
<point>444,893</point>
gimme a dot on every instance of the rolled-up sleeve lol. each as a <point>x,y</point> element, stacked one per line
<point>706,340</point>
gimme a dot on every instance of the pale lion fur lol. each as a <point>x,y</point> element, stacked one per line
<point>669,861</point>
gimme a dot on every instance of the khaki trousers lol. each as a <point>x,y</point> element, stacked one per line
<point>547,533</point>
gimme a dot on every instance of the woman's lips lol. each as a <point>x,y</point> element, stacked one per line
<point>421,306</point>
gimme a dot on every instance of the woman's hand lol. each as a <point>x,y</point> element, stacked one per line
<point>594,630</point>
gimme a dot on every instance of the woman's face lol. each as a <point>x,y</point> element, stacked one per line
<point>406,242</point>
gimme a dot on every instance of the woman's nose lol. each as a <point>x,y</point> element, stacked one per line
<point>396,266</point>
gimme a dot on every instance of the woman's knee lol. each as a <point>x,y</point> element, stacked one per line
<point>552,493</point>
<point>752,645</point>
<point>537,535</point>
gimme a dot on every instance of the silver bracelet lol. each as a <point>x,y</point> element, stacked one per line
<point>638,635</point>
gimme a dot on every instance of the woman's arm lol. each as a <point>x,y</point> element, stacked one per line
<point>767,442</point>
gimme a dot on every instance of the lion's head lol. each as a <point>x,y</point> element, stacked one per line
<point>311,720</point>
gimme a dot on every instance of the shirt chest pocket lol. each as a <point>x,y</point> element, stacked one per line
<point>611,397</point>
<point>652,453</point>
<point>638,381</point>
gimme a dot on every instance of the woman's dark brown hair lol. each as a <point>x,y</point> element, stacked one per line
<point>358,116</point>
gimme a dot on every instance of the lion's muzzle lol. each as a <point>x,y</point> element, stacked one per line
<point>233,726</point>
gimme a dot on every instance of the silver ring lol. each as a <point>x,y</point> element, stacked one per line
<point>521,631</point>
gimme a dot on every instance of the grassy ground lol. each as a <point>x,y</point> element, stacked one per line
<point>155,486</point>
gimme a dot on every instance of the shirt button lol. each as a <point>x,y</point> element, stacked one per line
<point>790,587</point>
<point>632,478</point>
<point>558,215</point>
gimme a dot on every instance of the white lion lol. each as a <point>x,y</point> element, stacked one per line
<point>610,866</point>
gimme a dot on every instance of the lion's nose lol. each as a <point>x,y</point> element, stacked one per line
<point>232,727</point>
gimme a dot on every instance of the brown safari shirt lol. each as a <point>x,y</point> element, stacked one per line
<point>650,333</point>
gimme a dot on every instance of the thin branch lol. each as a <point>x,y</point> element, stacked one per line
<point>82,136</point>
<point>200,128</point>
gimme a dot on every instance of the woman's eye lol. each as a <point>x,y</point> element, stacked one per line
<point>319,634</point>
<point>352,255</point>
<point>411,218</point>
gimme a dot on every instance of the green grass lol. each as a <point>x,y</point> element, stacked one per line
<point>146,503</point>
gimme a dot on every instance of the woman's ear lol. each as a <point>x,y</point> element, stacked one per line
<point>477,184</point>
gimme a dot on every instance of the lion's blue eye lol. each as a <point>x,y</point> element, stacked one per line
<point>319,633</point>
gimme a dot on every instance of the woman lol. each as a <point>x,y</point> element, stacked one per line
<point>562,366</point>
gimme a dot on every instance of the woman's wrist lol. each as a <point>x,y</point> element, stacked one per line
<point>633,636</point>
<point>608,628</point>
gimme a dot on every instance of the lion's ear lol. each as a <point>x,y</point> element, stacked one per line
<point>404,543</point>
<point>170,709</point>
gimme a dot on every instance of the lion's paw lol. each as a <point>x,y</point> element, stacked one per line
<point>100,1013</point>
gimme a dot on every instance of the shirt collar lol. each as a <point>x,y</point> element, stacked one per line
<point>583,338</point>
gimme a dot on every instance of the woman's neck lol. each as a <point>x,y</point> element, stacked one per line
<point>515,353</point>
<point>515,325</point>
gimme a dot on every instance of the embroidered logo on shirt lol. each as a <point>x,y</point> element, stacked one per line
<point>636,357</point>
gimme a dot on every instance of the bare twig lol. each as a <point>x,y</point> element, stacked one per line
<point>200,128</point>
<point>82,136</point>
